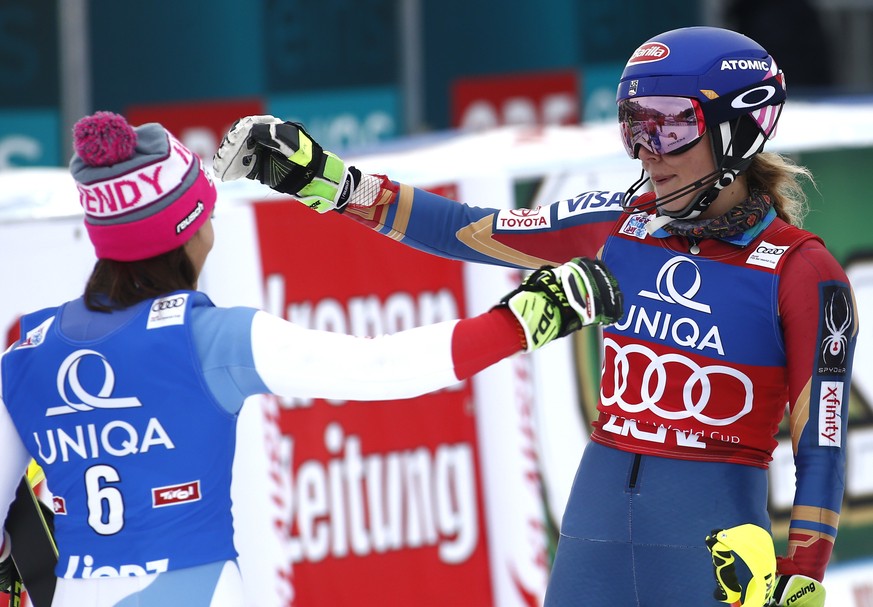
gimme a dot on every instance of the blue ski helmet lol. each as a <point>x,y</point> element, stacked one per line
<point>733,81</point>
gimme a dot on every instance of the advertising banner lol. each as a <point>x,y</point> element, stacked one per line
<point>198,125</point>
<point>538,98</point>
<point>386,496</point>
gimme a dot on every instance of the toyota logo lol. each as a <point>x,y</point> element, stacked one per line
<point>525,212</point>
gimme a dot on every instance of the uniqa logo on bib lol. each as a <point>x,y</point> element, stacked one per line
<point>68,375</point>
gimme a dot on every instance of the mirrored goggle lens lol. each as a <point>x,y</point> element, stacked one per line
<point>662,125</point>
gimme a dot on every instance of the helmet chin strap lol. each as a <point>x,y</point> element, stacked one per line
<point>709,186</point>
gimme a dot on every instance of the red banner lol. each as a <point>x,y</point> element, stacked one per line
<point>199,125</point>
<point>387,502</point>
<point>543,98</point>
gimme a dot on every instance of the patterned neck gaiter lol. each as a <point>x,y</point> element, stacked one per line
<point>737,220</point>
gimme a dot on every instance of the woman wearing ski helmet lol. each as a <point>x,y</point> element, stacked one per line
<point>718,86</point>
<point>728,307</point>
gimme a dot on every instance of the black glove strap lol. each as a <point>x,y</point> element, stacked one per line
<point>298,176</point>
<point>274,169</point>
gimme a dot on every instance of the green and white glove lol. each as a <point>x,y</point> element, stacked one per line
<point>284,157</point>
<point>555,301</point>
<point>798,591</point>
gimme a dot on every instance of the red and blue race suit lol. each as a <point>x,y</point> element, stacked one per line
<point>718,338</point>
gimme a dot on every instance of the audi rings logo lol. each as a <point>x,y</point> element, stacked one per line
<point>167,311</point>
<point>765,250</point>
<point>767,255</point>
<point>68,375</point>
<point>697,391</point>
<point>168,303</point>
<point>668,290</point>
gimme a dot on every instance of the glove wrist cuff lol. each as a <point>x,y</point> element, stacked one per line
<point>524,336</point>
<point>373,190</point>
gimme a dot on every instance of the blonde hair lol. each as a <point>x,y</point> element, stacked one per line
<point>781,178</point>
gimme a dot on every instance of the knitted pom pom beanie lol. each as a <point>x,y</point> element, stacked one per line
<point>143,192</point>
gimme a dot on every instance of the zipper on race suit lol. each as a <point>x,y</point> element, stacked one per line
<point>634,472</point>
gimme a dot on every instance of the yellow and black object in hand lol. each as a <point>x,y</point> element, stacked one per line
<point>754,546</point>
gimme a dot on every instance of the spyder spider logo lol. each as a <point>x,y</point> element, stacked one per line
<point>837,323</point>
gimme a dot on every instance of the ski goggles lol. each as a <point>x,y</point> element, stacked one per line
<point>662,125</point>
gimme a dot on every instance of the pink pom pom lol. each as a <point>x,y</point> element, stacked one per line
<point>104,139</point>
